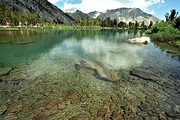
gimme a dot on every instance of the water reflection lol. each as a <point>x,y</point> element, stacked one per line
<point>177,58</point>
<point>107,46</point>
<point>116,54</point>
<point>19,36</point>
<point>13,49</point>
<point>170,51</point>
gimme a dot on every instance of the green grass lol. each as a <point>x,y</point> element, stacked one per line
<point>59,27</point>
<point>23,28</point>
<point>55,27</point>
<point>177,43</point>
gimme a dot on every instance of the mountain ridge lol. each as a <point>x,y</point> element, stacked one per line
<point>94,14</point>
<point>76,14</point>
<point>43,8</point>
<point>128,15</point>
<point>120,14</point>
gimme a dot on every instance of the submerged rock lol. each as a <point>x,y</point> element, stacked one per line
<point>40,116</point>
<point>102,112</point>
<point>62,106</point>
<point>175,76</point>
<point>82,116</point>
<point>101,71</point>
<point>52,104</point>
<point>173,114</point>
<point>14,78</point>
<point>70,95</point>
<point>5,71</point>
<point>16,106</point>
<point>141,40</point>
<point>3,108</point>
<point>11,117</point>
<point>145,74</point>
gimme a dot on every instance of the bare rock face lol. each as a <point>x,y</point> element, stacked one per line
<point>126,15</point>
<point>76,14</point>
<point>42,7</point>
<point>94,14</point>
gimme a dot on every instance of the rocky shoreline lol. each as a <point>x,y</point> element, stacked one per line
<point>68,95</point>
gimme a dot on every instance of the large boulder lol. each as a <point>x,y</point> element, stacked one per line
<point>145,74</point>
<point>141,40</point>
<point>101,70</point>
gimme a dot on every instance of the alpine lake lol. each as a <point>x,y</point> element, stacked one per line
<point>86,75</point>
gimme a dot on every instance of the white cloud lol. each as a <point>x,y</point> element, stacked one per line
<point>151,12</point>
<point>103,5</point>
<point>54,1</point>
<point>162,1</point>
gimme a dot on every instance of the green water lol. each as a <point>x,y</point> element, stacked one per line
<point>44,63</point>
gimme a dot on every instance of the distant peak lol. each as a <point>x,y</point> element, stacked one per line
<point>78,11</point>
<point>69,11</point>
<point>95,12</point>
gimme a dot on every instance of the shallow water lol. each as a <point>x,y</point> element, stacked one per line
<point>44,82</point>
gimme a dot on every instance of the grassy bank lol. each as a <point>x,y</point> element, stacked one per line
<point>166,37</point>
<point>65,27</point>
<point>166,34</point>
<point>55,27</point>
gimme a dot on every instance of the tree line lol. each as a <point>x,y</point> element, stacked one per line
<point>11,17</point>
<point>173,18</point>
<point>111,23</point>
<point>14,18</point>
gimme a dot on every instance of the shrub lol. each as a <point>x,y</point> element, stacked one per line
<point>164,32</point>
<point>177,23</point>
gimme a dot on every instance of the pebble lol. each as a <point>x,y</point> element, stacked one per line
<point>62,106</point>
<point>81,116</point>
<point>11,117</point>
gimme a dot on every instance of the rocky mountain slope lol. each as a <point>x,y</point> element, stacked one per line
<point>76,14</point>
<point>94,14</point>
<point>126,15</point>
<point>43,8</point>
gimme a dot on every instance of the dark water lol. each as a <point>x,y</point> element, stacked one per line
<point>46,61</point>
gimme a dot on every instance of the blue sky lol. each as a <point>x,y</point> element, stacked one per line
<point>156,7</point>
<point>161,9</point>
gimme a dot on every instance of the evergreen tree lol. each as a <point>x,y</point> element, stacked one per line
<point>122,24</point>
<point>143,26</point>
<point>131,25</point>
<point>115,23</point>
<point>78,21</point>
<point>151,24</point>
<point>136,24</point>
<point>177,23</point>
<point>173,14</point>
